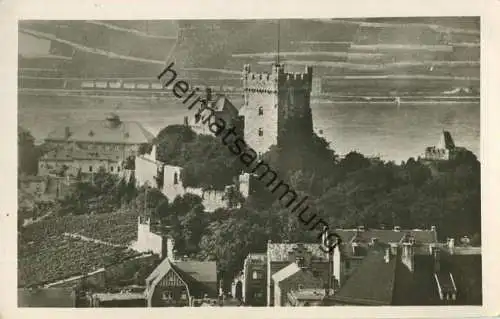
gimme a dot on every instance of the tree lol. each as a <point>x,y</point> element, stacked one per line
<point>27,153</point>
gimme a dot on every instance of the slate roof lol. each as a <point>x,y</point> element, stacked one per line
<point>372,283</point>
<point>378,283</point>
<point>222,103</point>
<point>190,271</point>
<point>279,251</point>
<point>111,130</point>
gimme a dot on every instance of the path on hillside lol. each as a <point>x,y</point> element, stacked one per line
<point>130,30</point>
<point>31,221</point>
<point>112,55</point>
<point>93,240</point>
<point>84,48</point>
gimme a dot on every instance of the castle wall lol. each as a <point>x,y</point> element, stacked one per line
<point>146,240</point>
<point>145,171</point>
<point>173,187</point>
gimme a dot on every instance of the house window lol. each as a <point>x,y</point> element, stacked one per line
<point>167,295</point>
<point>176,179</point>
<point>261,132</point>
<point>90,168</point>
<point>261,110</point>
<point>256,275</point>
<point>118,168</point>
<point>300,286</point>
<point>112,168</point>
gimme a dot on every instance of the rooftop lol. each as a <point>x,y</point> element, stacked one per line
<point>201,271</point>
<point>119,296</point>
<point>280,251</point>
<point>110,130</point>
<point>372,283</point>
<point>386,236</point>
<point>376,282</point>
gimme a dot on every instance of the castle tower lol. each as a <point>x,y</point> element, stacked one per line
<point>276,107</point>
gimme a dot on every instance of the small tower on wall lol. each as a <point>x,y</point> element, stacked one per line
<point>276,107</point>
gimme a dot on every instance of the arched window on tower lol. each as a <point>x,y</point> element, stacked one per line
<point>176,179</point>
<point>261,132</point>
<point>261,110</point>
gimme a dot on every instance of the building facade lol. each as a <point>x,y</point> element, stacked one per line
<point>93,145</point>
<point>276,107</point>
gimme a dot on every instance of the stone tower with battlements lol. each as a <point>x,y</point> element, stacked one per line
<point>276,108</point>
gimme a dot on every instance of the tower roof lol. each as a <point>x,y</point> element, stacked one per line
<point>446,141</point>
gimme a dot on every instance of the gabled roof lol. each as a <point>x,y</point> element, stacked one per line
<point>280,251</point>
<point>286,272</point>
<point>202,271</point>
<point>222,103</point>
<point>372,283</point>
<point>104,131</point>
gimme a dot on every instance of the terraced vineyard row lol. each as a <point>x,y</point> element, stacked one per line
<point>60,257</point>
<point>118,228</point>
<point>46,255</point>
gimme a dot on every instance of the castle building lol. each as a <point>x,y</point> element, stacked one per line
<point>94,144</point>
<point>276,107</point>
<point>220,107</point>
<point>445,149</point>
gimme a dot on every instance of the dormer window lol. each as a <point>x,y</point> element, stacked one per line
<point>261,110</point>
<point>91,133</point>
<point>127,135</point>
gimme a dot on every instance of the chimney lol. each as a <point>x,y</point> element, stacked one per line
<point>361,228</point>
<point>407,256</point>
<point>437,260</point>
<point>387,256</point>
<point>170,248</point>
<point>208,92</point>
<point>374,241</point>
<point>394,249</point>
<point>186,122</point>
<point>451,244</point>
<point>355,248</point>
<point>433,228</point>
<point>67,132</point>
